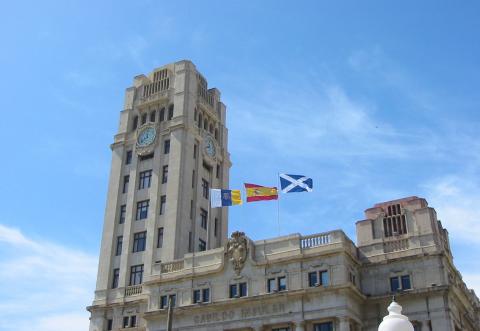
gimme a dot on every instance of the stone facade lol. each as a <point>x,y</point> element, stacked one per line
<point>305,283</point>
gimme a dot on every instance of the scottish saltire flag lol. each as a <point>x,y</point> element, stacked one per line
<point>223,198</point>
<point>295,183</point>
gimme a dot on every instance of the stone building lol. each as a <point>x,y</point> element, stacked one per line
<point>162,243</point>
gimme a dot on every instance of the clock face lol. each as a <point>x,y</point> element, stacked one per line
<point>146,137</point>
<point>209,147</point>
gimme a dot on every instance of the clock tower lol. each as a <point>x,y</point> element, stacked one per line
<point>170,149</point>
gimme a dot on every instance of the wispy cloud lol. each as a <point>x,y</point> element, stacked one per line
<point>45,285</point>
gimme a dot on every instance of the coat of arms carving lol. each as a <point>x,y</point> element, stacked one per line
<point>237,248</point>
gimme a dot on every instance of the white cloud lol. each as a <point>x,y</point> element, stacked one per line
<point>46,285</point>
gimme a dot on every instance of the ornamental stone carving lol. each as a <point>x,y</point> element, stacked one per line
<point>237,249</point>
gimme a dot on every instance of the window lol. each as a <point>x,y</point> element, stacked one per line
<point>327,326</point>
<point>136,274</point>
<point>160,238</point>
<point>205,124</point>
<point>128,157</point>
<point>133,321</point>
<point>205,188</point>
<point>394,225</point>
<point>164,300</point>
<point>126,179</point>
<point>163,202</point>
<point>170,112</point>
<point>190,241</point>
<point>139,239</point>
<point>166,146</point>
<point>216,133</point>
<point>145,179</point>
<point>118,250</point>
<point>135,123</point>
<point>202,295</point>
<point>109,324</point>
<point>146,157</point>
<point>123,212</point>
<point>195,148</point>
<point>193,179</point>
<point>152,116</point>
<point>191,209</point>
<point>202,245</point>
<point>162,115</point>
<point>400,283</point>
<point>277,284</point>
<point>218,171</point>
<point>203,218</point>
<point>125,321</point>
<point>318,278</point>
<point>116,274</point>
<point>142,209</point>
<point>210,128</point>
<point>200,119</point>
<point>164,174</point>
<point>238,290</point>
<point>215,227</point>
<point>144,118</point>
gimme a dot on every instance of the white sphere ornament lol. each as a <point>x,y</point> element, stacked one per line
<point>395,321</point>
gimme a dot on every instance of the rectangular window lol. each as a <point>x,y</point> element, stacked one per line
<point>190,240</point>
<point>123,213</point>
<point>165,298</point>
<point>324,281</point>
<point>109,324</point>
<point>271,285</point>
<point>406,282</point>
<point>136,274</point>
<point>327,326</point>
<point>116,274</point>
<point>163,202</point>
<point>118,250</point>
<point>205,188</point>
<point>142,209</point>
<point>193,179</point>
<point>312,279</point>
<point>206,295</point>
<point>282,283</point>
<point>195,151</point>
<point>218,171</point>
<point>203,218</point>
<point>164,174</point>
<point>125,321</point>
<point>128,157</point>
<point>160,238</point>
<point>139,240</point>
<point>196,296</point>
<point>126,179</point>
<point>144,118</point>
<point>133,321</point>
<point>394,284</point>
<point>145,179</point>
<point>166,146</point>
<point>191,209</point>
<point>152,116</point>
<point>242,289</point>
<point>233,291</point>
<point>215,227</point>
<point>202,245</point>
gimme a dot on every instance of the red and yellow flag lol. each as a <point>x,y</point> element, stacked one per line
<point>258,193</point>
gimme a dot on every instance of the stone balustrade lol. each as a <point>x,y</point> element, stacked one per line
<point>133,290</point>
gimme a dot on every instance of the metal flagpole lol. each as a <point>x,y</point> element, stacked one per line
<point>278,203</point>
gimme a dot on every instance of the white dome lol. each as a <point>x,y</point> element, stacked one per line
<point>395,321</point>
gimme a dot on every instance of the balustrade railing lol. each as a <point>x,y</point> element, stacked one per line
<point>315,240</point>
<point>133,290</point>
<point>171,266</point>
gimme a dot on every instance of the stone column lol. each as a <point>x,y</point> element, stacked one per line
<point>344,324</point>
<point>299,326</point>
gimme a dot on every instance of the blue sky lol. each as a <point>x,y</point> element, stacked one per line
<point>374,100</point>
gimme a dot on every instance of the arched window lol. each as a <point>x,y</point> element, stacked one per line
<point>170,112</point>
<point>135,122</point>
<point>162,115</point>
<point>153,114</point>
<point>200,118</point>
<point>216,133</point>
<point>205,124</point>
<point>144,118</point>
<point>211,128</point>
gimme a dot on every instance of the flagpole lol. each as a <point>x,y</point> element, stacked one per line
<point>278,204</point>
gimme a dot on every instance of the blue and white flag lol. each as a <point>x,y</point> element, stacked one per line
<point>295,183</point>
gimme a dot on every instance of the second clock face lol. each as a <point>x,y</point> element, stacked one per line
<point>210,147</point>
<point>146,137</point>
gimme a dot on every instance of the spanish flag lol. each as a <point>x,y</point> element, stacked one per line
<point>258,193</point>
